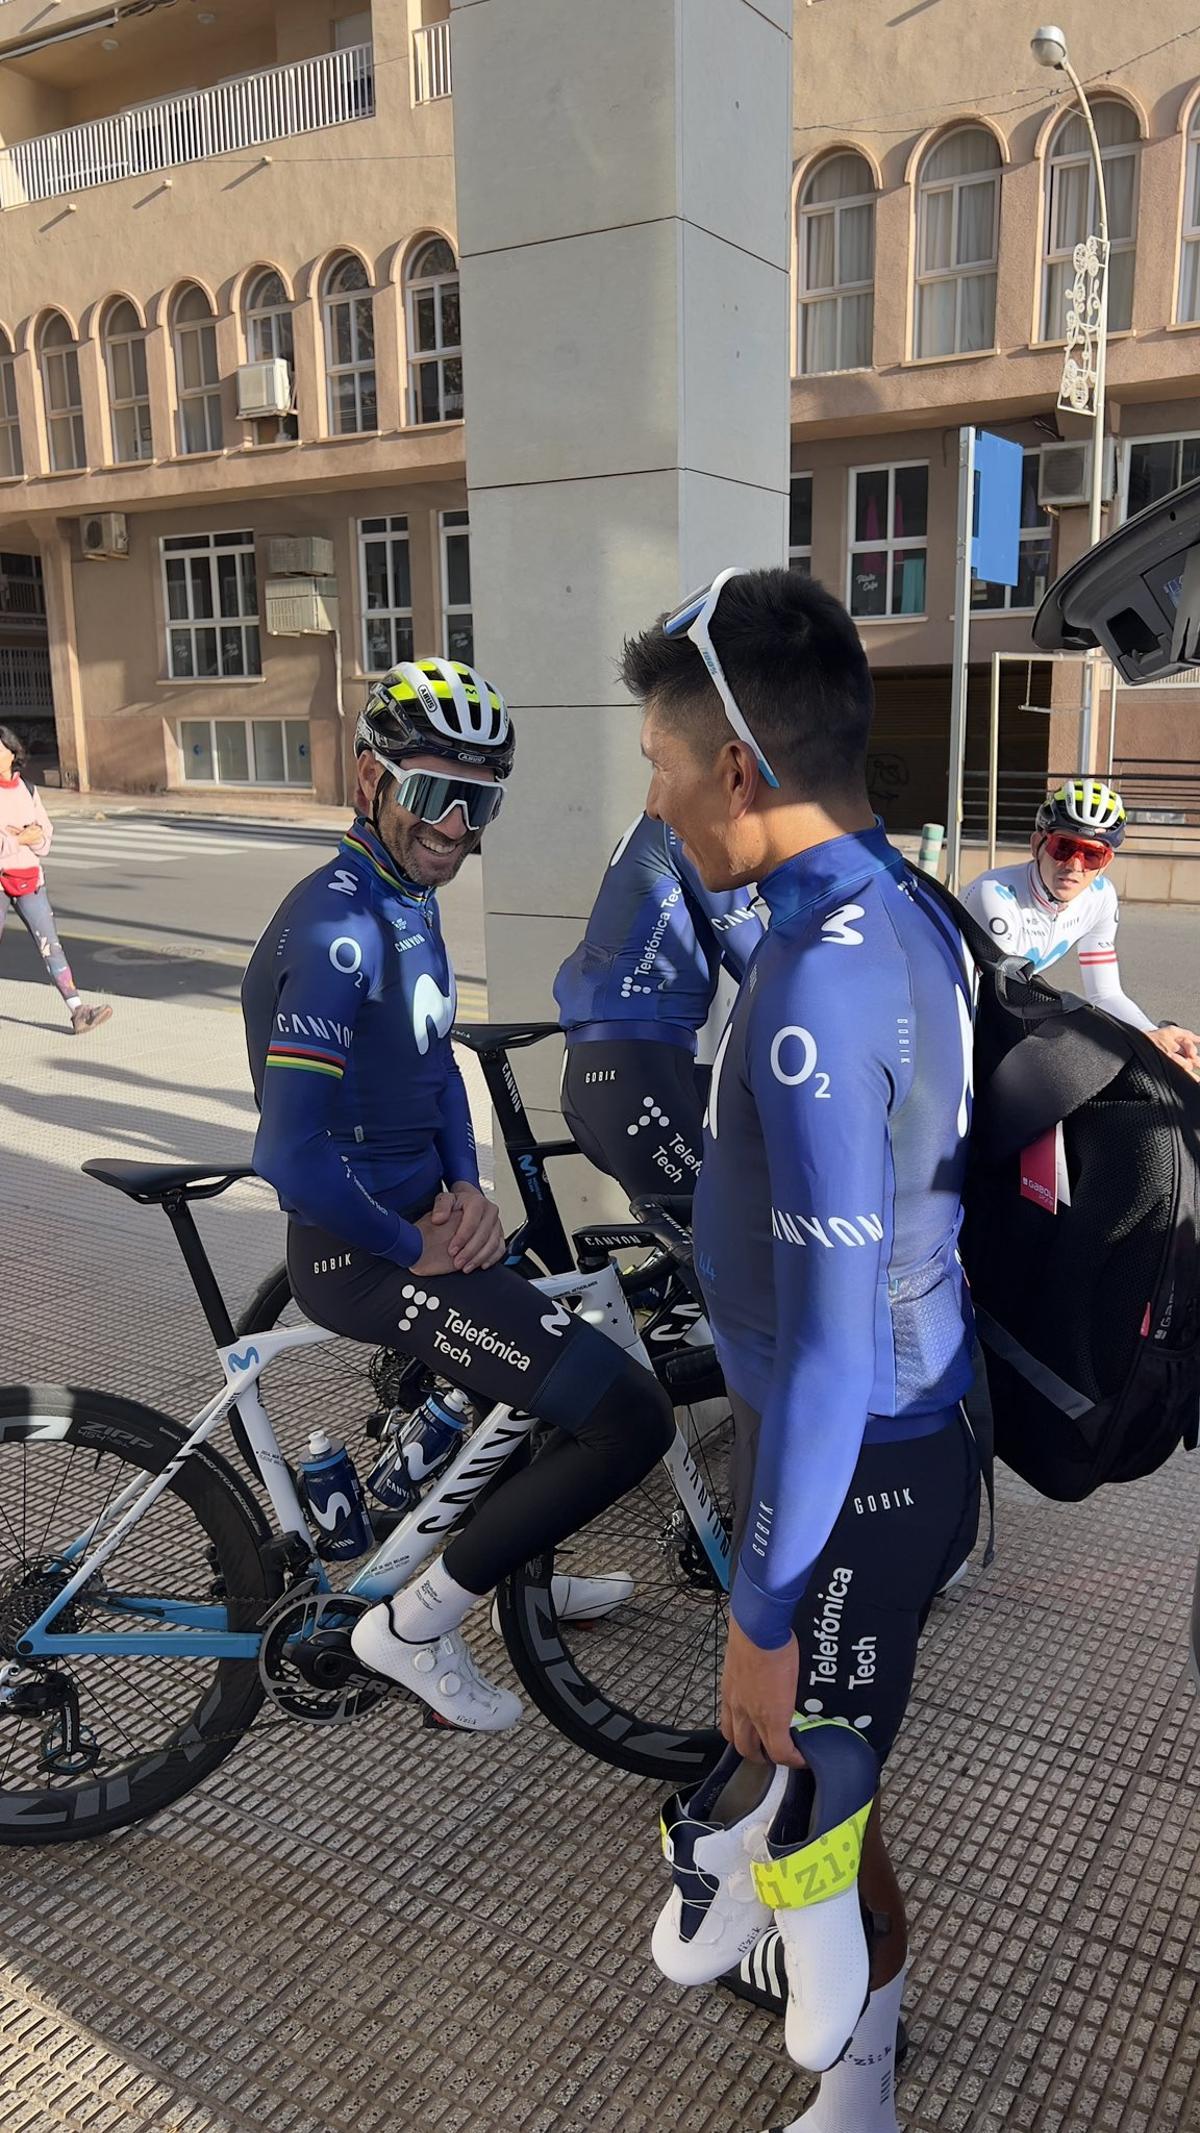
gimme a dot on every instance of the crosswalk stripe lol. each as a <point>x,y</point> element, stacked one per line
<point>170,841</point>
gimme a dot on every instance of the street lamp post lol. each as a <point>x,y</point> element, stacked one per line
<point>1084,366</point>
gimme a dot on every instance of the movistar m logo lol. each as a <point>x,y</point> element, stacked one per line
<point>431,1009</point>
<point>245,1361</point>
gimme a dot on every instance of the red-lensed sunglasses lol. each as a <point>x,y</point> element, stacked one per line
<point>1063,850</point>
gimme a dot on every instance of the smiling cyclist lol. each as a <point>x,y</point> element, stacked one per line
<point>365,1133</point>
<point>1061,899</point>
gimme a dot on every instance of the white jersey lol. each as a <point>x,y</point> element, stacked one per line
<point>1013,906</point>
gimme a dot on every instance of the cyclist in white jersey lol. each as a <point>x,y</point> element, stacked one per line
<point>1061,899</point>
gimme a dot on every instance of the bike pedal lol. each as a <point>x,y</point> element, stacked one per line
<point>433,1721</point>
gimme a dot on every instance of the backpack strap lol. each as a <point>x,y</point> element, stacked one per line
<point>1052,1072</point>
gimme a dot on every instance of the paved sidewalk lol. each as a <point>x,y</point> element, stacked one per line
<point>385,1930</point>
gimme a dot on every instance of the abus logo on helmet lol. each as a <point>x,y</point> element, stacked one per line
<point>427,698</point>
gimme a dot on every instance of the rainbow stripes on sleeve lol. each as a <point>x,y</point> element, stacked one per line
<point>308,1058</point>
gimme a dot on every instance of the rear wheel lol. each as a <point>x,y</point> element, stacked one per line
<point>639,1688</point>
<point>92,1741</point>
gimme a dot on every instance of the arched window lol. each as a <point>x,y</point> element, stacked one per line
<point>269,335</point>
<point>128,386</point>
<point>1072,211</point>
<point>958,238</point>
<point>197,378</point>
<point>64,402</point>
<point>836,255</point>
<point>12,459</point>
<point>350,346</point>
<point>1189,265</point>
<point>434,335</point>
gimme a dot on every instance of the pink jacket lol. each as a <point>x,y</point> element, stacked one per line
<point>19,806</point>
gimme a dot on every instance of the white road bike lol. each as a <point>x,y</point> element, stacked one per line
<point>152,1601</point>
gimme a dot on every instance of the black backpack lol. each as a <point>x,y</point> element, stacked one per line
<point>1088,1312</point>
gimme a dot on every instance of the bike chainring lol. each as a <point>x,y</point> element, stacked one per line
<point>305,1662</point>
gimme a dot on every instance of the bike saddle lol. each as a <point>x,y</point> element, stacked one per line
<point>154,1182</point>
<point>502,1036</point>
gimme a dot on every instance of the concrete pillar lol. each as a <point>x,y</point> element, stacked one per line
<point>622,177</point>
<point>69,716</point>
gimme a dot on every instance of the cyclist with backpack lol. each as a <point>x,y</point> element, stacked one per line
<point>826,1219</point>
<point>1061,899</point>
<point>365,1133</point>
<point>632,998</point>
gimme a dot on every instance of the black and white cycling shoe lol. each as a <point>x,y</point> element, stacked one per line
<point>711,1840</point>
<point>442,1673</point>
<point>584,1599</point>
<point>761,1979</point>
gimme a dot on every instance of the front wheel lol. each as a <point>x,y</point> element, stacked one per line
<point>639,1687</point>
<point>93,1740</point>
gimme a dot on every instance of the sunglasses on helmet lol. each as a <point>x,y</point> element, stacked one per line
<point>431,797</point>
<point>692,621</point>
<point>1063,850</point>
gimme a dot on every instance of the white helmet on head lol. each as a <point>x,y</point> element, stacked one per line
<point>1086,808</point>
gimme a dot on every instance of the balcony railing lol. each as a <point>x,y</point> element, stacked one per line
<point>431,62</point>
<point>269,106</point>
<point>24,598</point>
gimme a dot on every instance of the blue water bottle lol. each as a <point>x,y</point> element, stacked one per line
<point>425,1443</point>
<point>331,1492</point>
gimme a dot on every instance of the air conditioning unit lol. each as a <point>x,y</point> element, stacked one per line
<point>301,607</point>
<point>300,556</point>
<point>105,535</point>
<point>264,389</point>
<point>1065,473</point>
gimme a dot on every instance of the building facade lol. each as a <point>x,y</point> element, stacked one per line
<point>232,466</point>
<point>230,320</point>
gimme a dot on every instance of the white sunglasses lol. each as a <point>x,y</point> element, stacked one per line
<point>692,620</point>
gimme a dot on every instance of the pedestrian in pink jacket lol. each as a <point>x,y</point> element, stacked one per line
<point>25,838</point>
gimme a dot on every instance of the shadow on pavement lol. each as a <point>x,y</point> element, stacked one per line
<point>100,1070</point>
<point>111,970</point>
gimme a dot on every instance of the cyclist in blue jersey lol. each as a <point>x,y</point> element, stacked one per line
<point>366,1134</point>
<point>829,1203</point>
<point>631,1000</point>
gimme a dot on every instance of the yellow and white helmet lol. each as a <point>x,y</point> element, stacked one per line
<point>437,707</point>
<point>1084,807</point>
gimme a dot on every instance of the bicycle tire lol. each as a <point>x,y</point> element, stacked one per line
<point>230,1693</point>
<point>581,1708</point>
<point>660,1650</point>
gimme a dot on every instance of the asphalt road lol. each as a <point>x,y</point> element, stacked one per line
<point>155,907</point>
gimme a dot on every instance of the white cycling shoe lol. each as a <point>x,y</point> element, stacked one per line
<point>810,1880</point>
<point>584,1599</point>
<point>714,1915</point>
<point>441,1672</point>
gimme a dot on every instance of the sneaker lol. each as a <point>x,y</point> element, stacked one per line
<point>84,1018</point>
<point>714,1914</point>
<point>441,1672</point>
<point>814,1849</point>
<point>584,1599</point>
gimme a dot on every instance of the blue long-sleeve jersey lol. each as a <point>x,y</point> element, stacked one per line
<point>829,1201</point>
<point>649,961</point>
<point>348,1003</point>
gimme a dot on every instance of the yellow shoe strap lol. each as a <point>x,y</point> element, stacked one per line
<point>815,1872</point>
<point>826,1867</point>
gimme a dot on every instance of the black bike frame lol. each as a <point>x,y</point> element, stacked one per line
<point>541,1236</point>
